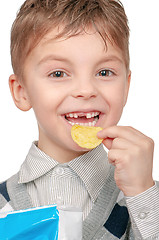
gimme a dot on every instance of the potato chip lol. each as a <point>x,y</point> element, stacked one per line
<point>86,137</point>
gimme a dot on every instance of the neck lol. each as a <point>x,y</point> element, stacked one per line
<point>56,152</point>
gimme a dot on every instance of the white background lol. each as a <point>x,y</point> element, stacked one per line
<point>18,129</point>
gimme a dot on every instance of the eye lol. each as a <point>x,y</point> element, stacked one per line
<point>105,73</point>
<point>58,74</point>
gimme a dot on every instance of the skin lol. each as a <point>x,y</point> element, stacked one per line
<point>82,87</point>
<point>131,152</point>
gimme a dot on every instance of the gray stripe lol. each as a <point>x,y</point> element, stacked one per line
<point>142,211</point>
<point>76,183</point>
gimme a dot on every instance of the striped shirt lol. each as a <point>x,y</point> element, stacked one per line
<point>84,182</point>
<point>76,183</point>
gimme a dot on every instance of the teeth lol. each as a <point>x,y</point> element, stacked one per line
<point>96,114</point>
<point>89,124</point>
<point>87,115</point>
<point>93,114</point>
<point>70,115</point>
<point>71,123</point>
<point>75,115</point>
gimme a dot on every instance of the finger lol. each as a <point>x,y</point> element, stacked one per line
<point>117,143</point>
<point>121,143</point>
<point>108,143</point>
<point>115,156</point>
<point>128,133</point>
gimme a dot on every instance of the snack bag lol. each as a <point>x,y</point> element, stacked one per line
<point>32,224</point>
<point>70,223</point>
<point>42,223</point>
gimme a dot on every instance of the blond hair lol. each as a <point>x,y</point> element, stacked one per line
<point>37,17</point>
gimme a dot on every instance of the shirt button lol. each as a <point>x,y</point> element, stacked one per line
<point>60,171</point>
<point>142,215</point>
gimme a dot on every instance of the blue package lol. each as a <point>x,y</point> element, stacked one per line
<point>33,224</point>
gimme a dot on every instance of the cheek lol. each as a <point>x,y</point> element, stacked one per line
<point>42,97</point>
<point>42,103</point>
<point>118,98</point>
<point>115,95</point>
<point>115,99</point>
<point>116,110</point>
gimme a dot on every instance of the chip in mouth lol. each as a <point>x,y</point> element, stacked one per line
<point>85,136</point>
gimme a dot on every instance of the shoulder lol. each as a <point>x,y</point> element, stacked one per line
<point>14,195</point>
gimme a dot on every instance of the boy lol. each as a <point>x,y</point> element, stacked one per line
<point>71,65</point>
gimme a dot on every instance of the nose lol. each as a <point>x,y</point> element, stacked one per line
<point>84,89</point>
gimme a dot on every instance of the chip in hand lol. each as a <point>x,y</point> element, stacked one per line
<point>86,137</point>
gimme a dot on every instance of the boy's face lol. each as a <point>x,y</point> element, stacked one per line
<point>73,80</point>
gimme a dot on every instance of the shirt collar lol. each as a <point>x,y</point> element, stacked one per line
<point>92,167</point>
<point>36,164</point>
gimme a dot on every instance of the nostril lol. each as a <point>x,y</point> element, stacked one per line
<point>85,94</point>
<point>80,96</point>
<point>85,91</point>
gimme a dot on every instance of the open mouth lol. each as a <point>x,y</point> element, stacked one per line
<point>83,119</point>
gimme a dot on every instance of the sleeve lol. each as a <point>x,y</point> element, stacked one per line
<point>144,213</point>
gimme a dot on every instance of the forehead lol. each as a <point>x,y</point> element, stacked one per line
<point>85,44</point>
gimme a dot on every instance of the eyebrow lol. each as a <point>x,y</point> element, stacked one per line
<point>111,58</point>
<point>51,58</point>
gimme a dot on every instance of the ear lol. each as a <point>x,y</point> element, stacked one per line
<point>19,94</point>
<point>127,87</point>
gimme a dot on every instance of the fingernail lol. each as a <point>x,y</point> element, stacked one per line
<point>99,134</point>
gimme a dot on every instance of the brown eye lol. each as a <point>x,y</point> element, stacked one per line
<point>105,73</point>
<point>58,74</point>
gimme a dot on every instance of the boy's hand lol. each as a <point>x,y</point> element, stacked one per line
<point>131,152</point>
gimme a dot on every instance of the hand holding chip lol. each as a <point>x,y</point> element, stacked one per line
<point>131,152</point>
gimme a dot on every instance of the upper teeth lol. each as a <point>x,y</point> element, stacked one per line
<point>87,115</point>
